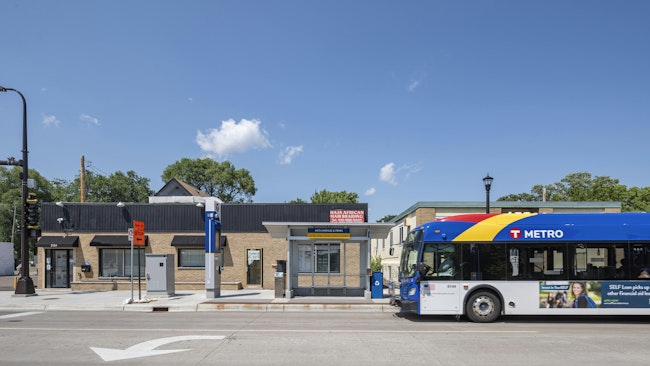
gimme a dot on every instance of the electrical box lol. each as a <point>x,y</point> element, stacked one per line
<point>160,275</point>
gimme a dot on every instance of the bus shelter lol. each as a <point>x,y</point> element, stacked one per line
<point>327,259</point>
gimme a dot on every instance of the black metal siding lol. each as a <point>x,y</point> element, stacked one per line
<point>249,217</point>
<point>181,217</point>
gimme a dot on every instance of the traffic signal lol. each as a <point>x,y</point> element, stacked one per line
<point>31,220</point>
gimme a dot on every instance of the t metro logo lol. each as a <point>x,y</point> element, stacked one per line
<point>515,233</point>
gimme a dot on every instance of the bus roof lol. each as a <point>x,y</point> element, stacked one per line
<point>539,227</point>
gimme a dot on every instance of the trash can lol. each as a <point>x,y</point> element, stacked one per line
<point>280,270</point>
<point>377,285</point>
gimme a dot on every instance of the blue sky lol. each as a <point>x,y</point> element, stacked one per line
<point>398,101</point>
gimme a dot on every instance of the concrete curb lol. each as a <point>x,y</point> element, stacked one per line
<point>299,307</point>
<point>210,307</point>
<point>189,301</point>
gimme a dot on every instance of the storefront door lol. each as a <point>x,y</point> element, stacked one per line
<point>254,267</point>
<point>58,273</point>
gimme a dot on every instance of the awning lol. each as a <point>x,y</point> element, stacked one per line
<point>58,241</point>
<point>114,241</point>
<point>194,241</point>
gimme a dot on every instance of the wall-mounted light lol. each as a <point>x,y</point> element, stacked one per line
<point>60,204</point>
<point>121,204</point>
<point>200,205</point>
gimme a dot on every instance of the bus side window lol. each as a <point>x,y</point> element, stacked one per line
<point>518,263</point>
<point>441,261</point>
<point>640,258</point>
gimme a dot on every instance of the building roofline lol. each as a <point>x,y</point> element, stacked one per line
<point>504,204</point>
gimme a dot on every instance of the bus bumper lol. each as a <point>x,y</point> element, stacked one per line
<point>408,306</point>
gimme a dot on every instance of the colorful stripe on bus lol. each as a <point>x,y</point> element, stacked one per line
<point>540,227</point>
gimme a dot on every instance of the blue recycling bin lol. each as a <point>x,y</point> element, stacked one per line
<point>377,285</point>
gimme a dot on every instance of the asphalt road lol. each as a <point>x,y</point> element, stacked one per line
<point>314,338</point>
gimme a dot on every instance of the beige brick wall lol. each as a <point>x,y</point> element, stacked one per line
<point>234,270</point>
<point>235,257</point>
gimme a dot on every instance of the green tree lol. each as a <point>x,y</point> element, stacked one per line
<point>386,218</point>
<point>65,191</point>
<point>11,207</point>
<point>298,200</point>
<point>119,186</point>
<point>220,180</point>
<point>582,187</point>
<point>637,199</point>
<point>326,196</point>
<point>375,263</point>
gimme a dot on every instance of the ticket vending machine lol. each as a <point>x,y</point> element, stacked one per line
<point>160,275</point>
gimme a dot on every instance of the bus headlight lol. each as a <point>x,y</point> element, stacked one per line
<point>412,291</point>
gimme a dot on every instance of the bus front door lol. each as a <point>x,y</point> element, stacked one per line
<point>440,298</point>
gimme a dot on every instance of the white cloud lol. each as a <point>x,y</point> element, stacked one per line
<point>233,137</point>
<point>289,153</point>
<point>371,191</point>
<point>413,85</point>
<point>387,174</point>
<point>410,170</point>
<point>51,121</point>
<point>190,99</point>
<point>89,119</point>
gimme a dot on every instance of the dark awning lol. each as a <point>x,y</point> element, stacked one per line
<point>194,241</point>
<point>58,241</point>
<point>114,241</point>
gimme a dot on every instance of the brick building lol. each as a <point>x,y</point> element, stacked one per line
<point>85,246</point>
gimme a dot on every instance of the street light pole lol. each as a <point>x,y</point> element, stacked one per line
<point>25,285</point>
<point>487,181</point>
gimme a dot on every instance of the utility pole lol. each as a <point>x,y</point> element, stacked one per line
<point>82,180</point>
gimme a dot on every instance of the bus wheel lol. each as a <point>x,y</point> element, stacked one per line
<point>483,307</point>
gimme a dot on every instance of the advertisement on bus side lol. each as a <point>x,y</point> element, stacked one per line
<point>594,294</point>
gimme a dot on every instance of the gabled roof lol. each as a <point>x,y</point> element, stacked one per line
<point>177,188</point>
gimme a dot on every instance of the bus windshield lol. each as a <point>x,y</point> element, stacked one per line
<point>410,251</point>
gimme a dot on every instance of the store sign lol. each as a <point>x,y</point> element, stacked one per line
<point>347,216</point>
<point>328,233</point>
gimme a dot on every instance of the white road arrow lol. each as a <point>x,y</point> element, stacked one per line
<point>147,348</point>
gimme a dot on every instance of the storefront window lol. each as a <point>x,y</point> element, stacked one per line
<point>117,262</point>
<point>191,258</point>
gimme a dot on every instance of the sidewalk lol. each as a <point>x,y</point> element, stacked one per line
<point>238,300</point>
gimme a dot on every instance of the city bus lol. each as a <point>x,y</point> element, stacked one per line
<point>487,265</point>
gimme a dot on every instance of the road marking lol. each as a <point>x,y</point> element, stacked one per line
<point>147,348</point>
<point>236,330</point>
<point>16,315</point>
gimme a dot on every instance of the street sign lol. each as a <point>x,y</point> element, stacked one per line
<point>138,233</point>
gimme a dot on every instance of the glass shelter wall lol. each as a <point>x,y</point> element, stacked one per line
<point>327,268</point>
